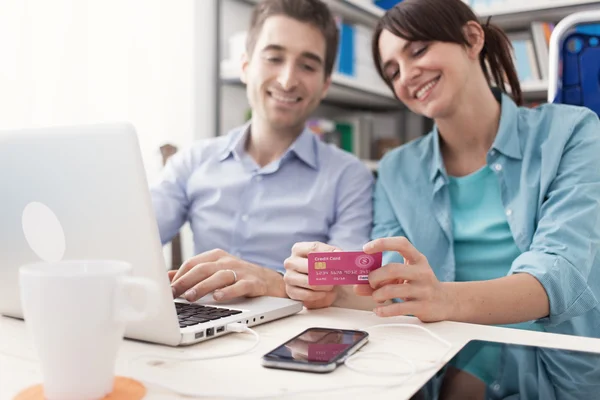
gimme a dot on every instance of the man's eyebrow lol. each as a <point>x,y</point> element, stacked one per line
<point>273,47</point>
<point>306,54</point>
<point>312,56</point>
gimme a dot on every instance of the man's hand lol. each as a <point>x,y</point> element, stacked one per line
<point>296,277</point>
<point>227,276</point>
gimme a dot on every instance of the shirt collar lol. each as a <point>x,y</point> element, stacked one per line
<point>506,141</point>
<point>437,165</point>
<point>235,145</point>
<point>304,147</point>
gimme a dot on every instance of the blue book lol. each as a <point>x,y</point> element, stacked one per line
<point>522,60</point>
<point>346,50</point>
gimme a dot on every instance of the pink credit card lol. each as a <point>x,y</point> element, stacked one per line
<point>341,267</point>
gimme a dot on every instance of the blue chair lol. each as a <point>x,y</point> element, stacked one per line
<point>574,57</point>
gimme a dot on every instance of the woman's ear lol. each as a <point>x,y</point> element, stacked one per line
<point>476,38</point>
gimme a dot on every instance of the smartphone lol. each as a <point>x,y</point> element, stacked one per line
<point>316,350</point>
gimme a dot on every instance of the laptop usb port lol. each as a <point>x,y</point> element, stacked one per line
<point>220,329</point>
<point>210,332</point>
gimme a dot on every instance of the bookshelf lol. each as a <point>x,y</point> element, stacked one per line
<point>512,15</point>
<point>528,25</point>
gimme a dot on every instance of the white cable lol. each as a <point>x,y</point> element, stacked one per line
<point>351,360</point>
<point>349,363</point>
<point>237,327</point>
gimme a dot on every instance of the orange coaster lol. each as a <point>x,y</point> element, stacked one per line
<point>124,389</point>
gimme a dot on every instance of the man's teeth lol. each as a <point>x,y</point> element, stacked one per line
<point>426,88</point>
<point>285,99</point>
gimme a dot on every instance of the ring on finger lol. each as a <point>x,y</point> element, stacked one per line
<point>234,275</point>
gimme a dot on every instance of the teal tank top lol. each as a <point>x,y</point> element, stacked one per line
<point>484,249</point>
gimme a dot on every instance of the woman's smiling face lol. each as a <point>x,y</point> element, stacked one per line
<point>427,77</point>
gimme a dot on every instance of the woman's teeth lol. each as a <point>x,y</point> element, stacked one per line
<point>421,92</point>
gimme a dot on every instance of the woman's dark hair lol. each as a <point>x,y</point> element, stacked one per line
<point>443,21</point>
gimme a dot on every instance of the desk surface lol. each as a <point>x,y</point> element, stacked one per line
<point>243,376</point>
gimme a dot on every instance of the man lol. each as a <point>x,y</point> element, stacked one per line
<point>251,195</point>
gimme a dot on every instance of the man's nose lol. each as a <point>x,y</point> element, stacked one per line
<point>287,77</point>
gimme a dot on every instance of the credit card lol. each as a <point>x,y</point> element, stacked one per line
<point>341,267</point>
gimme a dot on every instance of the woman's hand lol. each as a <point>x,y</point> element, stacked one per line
<point>414,282</point>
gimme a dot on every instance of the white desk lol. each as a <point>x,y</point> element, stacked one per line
<point>244,376</point>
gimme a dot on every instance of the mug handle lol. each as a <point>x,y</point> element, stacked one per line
<point>124,312</point>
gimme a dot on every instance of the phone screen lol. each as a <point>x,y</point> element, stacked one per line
<point>317,346</point>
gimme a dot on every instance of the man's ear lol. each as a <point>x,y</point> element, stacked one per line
<point>326,87</point>
<point>244,72</point>
<point>476,38</point>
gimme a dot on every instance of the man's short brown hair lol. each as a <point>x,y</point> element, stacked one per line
<point>313,12</point>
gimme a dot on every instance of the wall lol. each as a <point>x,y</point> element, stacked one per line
<point>86,61</point>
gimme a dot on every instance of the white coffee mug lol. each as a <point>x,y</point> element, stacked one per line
<point>76,312</point>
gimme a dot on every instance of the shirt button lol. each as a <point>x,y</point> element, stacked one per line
<point>508,212</point>
<point>245,218</point>
<point>492,152</point>
<point>258,178</point>
<point>495,387</point>
<point>497,167</point>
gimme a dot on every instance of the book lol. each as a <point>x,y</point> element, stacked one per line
<point>524,56</point>
<point>540,33</point>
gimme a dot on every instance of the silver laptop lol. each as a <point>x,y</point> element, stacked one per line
<point>91,182</point>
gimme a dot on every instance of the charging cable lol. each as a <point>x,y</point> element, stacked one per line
<point>350,363</point>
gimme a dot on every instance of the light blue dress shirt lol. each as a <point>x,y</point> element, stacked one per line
<point>547,161</point>
<point>314,192</point>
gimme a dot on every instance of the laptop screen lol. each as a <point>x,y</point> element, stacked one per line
<point>489,370</point>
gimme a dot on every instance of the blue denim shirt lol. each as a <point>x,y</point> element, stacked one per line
<point>548,163</point>
<point>314,192</point>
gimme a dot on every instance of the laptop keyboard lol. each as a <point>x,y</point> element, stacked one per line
<point>192,314</point>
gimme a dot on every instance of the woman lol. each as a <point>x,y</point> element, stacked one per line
<point>494,216</point>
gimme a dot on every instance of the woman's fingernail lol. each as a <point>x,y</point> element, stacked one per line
<point>173,290</point>
<point>218,295</point>
<point>190,295</point>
